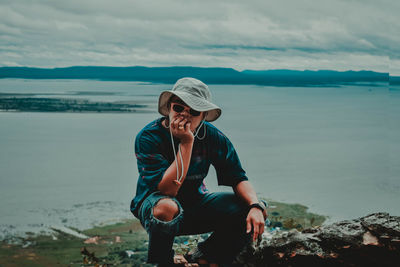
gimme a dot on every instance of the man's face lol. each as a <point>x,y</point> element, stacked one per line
<point>178,108</point>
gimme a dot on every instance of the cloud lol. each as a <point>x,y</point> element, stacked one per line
<point>244,35</point>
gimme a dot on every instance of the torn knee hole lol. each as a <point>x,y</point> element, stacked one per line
<point>165,210</point>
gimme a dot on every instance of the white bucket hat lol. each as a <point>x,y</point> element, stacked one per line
<point>195,94</point>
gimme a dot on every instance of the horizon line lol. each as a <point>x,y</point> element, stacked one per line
<point>200,67</point>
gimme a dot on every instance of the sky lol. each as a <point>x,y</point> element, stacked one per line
<point>260,35</point>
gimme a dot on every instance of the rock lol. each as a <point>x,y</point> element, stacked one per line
<point>373,240</point>
<point>129,253</point>
<point>92,240</point>
<point>68,231</point>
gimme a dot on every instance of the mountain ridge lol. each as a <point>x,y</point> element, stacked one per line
<point>215,75</point>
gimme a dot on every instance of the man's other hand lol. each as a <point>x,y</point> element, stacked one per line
<point>256,221</point>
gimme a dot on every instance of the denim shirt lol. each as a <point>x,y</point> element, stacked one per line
<point>154,155</point>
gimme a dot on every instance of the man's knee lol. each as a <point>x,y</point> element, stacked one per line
<point>165,210</point>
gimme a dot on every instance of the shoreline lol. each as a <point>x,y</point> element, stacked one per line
<point>17,103</point>
<point>123,243</point>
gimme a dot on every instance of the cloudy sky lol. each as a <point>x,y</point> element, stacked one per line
<point>289,34</point>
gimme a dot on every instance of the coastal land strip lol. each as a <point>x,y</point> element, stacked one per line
<point>26,103</point>
<point>124,243</point>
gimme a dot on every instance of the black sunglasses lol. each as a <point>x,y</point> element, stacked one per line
<point>179,108</point>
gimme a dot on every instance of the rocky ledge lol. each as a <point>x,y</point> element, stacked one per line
<point>373,240</point>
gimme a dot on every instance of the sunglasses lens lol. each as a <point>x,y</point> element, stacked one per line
<point>194,113</point>
<point>178,108</point>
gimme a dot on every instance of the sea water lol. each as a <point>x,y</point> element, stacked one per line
<point>334,149</point>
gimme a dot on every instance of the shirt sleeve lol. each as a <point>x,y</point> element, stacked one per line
<point>226,162</point>
<point>150,162</point>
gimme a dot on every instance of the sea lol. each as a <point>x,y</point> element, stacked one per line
<point>334,149</point>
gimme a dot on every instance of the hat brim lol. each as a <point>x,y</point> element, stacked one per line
<point>196,103</point>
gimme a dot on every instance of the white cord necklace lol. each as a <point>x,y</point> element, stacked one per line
<point>180,177</point>
<point>198,130</point>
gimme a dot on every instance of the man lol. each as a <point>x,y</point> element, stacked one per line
<point>174,154</point>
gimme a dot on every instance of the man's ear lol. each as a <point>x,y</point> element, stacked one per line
<point>205,115</point>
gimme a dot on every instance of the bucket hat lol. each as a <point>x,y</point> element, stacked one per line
<point>195,94</point>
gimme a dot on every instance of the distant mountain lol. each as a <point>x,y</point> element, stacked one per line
<point>208,75</point>
<point>394,80</point>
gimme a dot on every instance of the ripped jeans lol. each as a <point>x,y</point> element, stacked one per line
<point>221,213</point>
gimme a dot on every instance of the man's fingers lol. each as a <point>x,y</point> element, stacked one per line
<point>175,123</point>
<point>178,119</point>
<point>255,229</point>
<point>248,226</point>
<point>255,221</point>
<point>261,228</point>
<point>255,234</point>
<point>258,230</point>
<point>187,125</point>
<point>182,124</point>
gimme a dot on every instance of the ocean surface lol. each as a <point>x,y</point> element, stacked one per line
<point>333,149</point>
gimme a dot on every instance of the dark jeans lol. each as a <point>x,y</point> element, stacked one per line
<point>223,214</point>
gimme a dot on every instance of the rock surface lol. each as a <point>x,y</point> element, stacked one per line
<point>373,240</point>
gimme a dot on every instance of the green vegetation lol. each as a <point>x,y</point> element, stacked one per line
<point>107,246</point>
<point>41,104</point>
<point>290,216</point>
<point>124,243</point>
